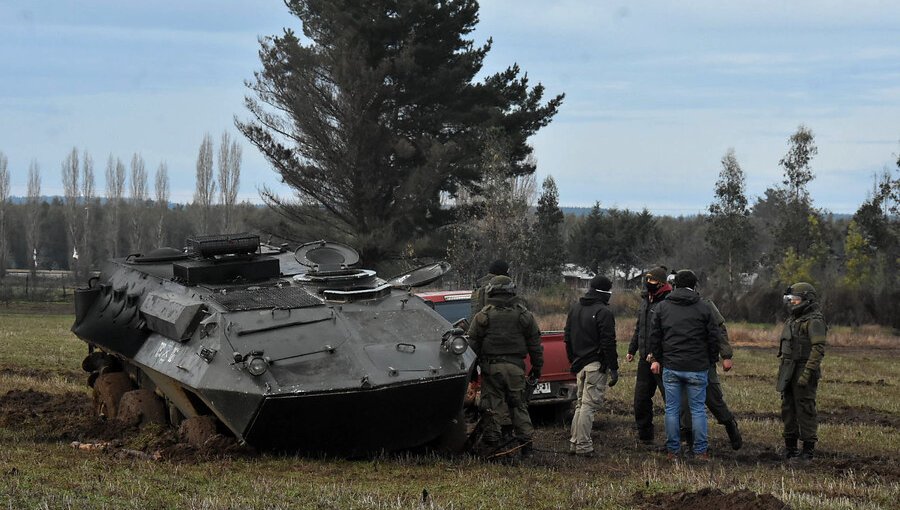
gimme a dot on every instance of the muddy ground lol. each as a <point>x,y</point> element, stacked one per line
<point>69,418</point>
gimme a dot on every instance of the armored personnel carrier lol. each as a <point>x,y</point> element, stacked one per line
<point>286,350</point>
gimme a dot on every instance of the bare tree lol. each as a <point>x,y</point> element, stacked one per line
<point>206,185</point>
<point>138,199</point>
<point>229,176</point>
<point>162,200</point>
<point>4,196</point>
<point>115,188</point>
<point>71,178</point>
<point>31,225</point>
<point>87,195</point>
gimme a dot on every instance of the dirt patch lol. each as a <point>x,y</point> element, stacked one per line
<point>70,376</point>
<point>709,499</point>
<point>844,415</point>
<point>70,418</point>
<point>66,417</point>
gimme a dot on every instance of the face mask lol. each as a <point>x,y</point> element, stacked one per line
<point>652,286</point>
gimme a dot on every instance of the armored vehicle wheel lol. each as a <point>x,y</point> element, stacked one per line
<point>108,391</point>
<point>454,439</point>
<point>196,431</point>
<point>140,407</point>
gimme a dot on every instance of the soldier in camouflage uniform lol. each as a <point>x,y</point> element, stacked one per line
<point>801,351</point>
<point>502,334</point>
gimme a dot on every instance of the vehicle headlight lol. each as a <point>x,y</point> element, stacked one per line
<point>455,344</point>
<point>256,365</point>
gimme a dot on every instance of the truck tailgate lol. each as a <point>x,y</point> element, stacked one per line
<point>556,361</point>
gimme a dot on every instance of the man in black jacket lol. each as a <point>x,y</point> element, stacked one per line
<point>683,336</point>
<point>590,337</point>
<point>647,383</point>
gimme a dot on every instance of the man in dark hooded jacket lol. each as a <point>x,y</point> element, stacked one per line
<point>590,337</point>
<point>647,383</point>
<point>684,334</point>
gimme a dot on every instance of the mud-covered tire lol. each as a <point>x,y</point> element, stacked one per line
<point>454,439</point>
<point>141,407</point>
<point>108,391</point>
<point>196,431</point>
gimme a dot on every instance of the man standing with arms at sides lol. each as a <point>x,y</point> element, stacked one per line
<point>647,383</point>
<point>498,267</point>
<point>683,335</point>
<point>801,352</point>
<point>590,337</point>
<point>502,334</point>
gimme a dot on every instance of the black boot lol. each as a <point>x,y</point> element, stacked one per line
<point>734,434</point>
<point>527,448</point>
<point>790,448</point>
<point>807,454</point>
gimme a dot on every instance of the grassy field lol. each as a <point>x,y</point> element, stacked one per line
<point>42,389</point>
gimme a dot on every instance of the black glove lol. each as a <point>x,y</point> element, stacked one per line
<point>535,373</point>
<point>613,377</point>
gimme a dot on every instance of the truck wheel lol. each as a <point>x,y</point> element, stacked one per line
<point>563,413</point>
<point>108,391</point>
<point>140,407</point>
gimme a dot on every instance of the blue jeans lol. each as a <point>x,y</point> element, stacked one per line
<point>694,383</point>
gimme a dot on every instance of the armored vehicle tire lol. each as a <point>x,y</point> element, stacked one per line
<point>197,430</point>
<point>140,407</point>
<point>455,437</point>
<point>108,391</point>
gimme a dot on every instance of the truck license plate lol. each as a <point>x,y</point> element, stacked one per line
<point>542,388</point>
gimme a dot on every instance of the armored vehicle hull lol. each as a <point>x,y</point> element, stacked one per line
<point>330,360</point>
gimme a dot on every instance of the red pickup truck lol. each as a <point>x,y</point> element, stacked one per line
<point>556,389</point>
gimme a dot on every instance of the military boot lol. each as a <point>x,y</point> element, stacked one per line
<point>790,448</point>
<point>527,448</point>
<point>806,455</point>
<point>734,434</point>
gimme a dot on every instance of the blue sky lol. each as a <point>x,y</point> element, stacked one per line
<point>656,91</point>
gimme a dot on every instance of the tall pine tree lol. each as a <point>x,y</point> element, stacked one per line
<point>548,248</point>
<point>373,114</point>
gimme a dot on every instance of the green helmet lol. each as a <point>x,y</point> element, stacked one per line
<point>802,289</point>
<point>500,284</point>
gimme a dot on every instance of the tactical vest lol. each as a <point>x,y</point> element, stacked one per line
<point>505,332</point>
<point>796,343</point>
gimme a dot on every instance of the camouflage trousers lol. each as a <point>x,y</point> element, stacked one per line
<point>503,385</point>
<point>798,407</point>
<point>591,384</point>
